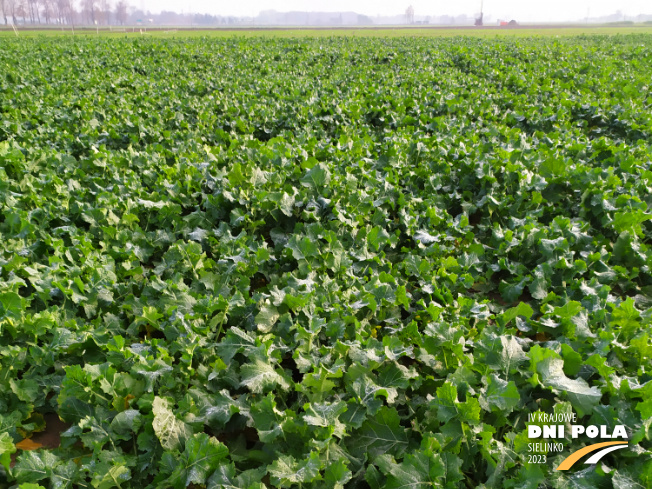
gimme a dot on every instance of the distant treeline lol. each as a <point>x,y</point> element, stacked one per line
<point>120,12</point>
<point>98,12</point>
<point>60,12</point>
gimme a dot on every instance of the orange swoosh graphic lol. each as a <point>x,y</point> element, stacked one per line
<point>575,456</point>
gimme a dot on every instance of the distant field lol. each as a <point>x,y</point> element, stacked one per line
<point>381,31</point>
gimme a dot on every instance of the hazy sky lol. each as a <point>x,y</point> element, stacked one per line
<point>523,10</point>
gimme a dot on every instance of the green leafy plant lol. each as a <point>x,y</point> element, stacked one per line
<point>335,262</point>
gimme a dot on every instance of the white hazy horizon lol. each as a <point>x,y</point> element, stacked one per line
<point>520,10</point>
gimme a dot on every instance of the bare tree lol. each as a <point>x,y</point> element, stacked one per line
<point>28,6</point>
<point>3,9</point>
<point>48,11</point>
<point>121,12</point>
<point>70,10</point>
<point>11,10</point>
<point>89,10</point>
<point>104,12</point>
<point>409,15</point>
<point>19,10</point>
<point>64,11</point>
<point>34,11</point>
<point>59,8</point>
